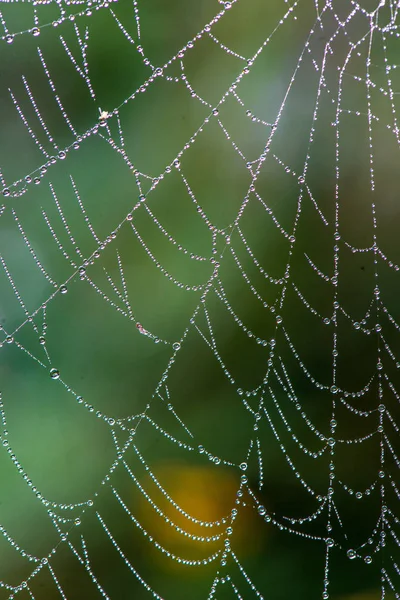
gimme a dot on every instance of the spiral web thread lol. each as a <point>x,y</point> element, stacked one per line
<point>349,46</point>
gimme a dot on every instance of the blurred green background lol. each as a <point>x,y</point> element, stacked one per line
<point>59,428</point>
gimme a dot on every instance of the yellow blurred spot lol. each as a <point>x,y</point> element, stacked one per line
<point>206,494</point>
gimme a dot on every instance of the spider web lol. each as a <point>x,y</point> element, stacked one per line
<point>199,299</point>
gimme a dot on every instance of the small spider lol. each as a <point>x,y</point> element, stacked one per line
<point>141,329</point>
<point>104,115</point>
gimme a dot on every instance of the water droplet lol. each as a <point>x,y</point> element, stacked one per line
<point>358,495</point>
<point>351,554</point>
<point>35,31</point>
<point>62,155</point>
<point>334,389</point>
<point>381,408</point>
<point>176,346</point>
<point>54,374</point>
<point>9,38</point>
<point>215,112</point>
<point>368,560</point>
<point>77,521</point>
<point>63,289</point>
<point>6,192</point>
<point>278,319</point>
<point>201,449</point>
<point>329,542</point>
<point>243,466</point>
<point>261,510</point>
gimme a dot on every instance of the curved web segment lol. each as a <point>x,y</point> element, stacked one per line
<point>199,317</point>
